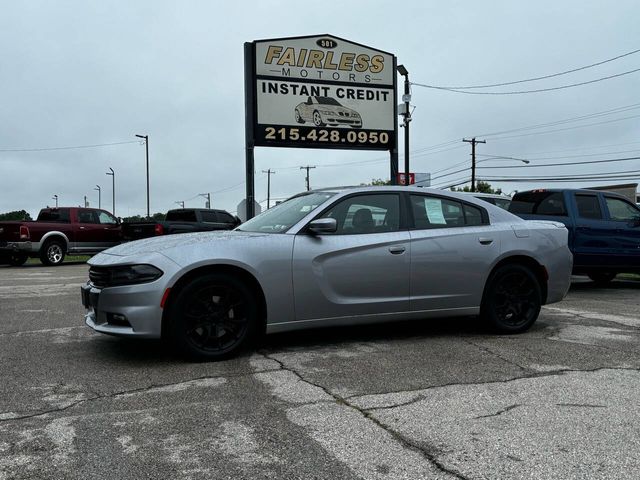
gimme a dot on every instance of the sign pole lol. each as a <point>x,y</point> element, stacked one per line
<point>249,108</point>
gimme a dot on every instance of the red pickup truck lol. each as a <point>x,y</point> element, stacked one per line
<point>57,232</point>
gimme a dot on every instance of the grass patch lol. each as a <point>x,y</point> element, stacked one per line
<point>67,259</point>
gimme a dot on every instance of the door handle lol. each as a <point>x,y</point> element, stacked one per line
<point>81,228</point>
<point>396,250</point>
<point>485,241</point>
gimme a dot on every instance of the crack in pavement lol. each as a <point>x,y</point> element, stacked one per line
<point>553,373</point>
<point>122,393</point>
<point>581,405</point>
<point>499,412</point>
<point>406,443</point>
<point>491,352</point>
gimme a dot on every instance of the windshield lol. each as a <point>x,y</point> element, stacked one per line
<point>280,218</point>
<point>328,101</point>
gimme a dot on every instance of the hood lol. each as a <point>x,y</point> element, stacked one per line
<point>169,242</point>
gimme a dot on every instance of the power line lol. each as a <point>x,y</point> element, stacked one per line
<point>530,91</point>
<point>586,162</point>
<point>65,148</point>
<point>544,76</point>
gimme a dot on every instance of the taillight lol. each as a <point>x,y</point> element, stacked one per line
<point>159,229</point>
<point>24,233</point>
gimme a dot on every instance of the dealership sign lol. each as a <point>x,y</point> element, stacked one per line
<point>320,92</point>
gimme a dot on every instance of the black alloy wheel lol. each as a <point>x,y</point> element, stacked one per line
<point>512,299</point>
<point>213,317</point>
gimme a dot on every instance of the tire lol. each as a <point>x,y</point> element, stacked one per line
<point>512,299</point>
<point>18,258</point>
<point>298,117</point>
<point>52,253</point>
<point>602,278</point>
<point>214,317</point>
<point>317,119</point>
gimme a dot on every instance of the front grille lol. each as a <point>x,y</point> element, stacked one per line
<point>99,277</point>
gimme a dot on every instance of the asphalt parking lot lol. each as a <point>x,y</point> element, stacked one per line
<point>419,400</point>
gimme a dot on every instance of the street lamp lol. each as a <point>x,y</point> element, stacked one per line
<point>113,194</point>
<point>406,98</point>
<point>146,143</point>
<point>99,196</point>
<point>208,197</point>
<point>55,197</point>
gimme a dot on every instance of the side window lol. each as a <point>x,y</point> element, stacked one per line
<point>588,206</point>
<point>87,216</point>
<point>472,215</point>
<point>434,212</point>
<point>367,214</point>
<point>539,203</point>
<point>621,211</point>
<point>106,219</point>
<point>226,217</point>
<point>209,217</point>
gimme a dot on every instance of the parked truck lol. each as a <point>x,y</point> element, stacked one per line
<point>58,232</point>
<point>604,228</point>
<point>181,220</point>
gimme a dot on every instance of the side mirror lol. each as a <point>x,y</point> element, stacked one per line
<point>323,225</point>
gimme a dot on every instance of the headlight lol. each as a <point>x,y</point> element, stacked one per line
<point>326,112</point>
<point>123,275</point>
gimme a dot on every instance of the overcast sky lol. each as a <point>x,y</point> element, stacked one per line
<point>76,73</point>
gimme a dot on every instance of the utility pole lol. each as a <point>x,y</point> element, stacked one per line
<point>113,192</point>
<point>55,197</point>
<point>307,179</point>
<point>99,196</point>
<point>269,172</point>
<point>473,142</point>
<point>181,203</point>
<point>406,98</point>
<point>146,144</point>
<point>208,197</point>
<point>85,202</point>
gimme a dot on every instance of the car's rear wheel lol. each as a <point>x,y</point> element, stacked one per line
<point>317,119</point>
<point>18,258</point>
<point>298,117</point>
<point>602,278</point>
<point>213,317</point>
<point>512,299</point>
<point>52,253</point>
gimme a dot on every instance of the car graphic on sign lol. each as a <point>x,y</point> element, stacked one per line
<point>323,111</point>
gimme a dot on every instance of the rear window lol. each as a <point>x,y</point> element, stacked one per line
<point>181,216</point>
<point>59,215</point>
<point>539,203</point>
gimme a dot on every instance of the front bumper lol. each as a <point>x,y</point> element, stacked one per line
<point>126,311</point>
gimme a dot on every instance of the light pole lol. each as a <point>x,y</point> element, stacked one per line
<point>269,172</point>
<point>99,196</point>
<point>146,144</point>
<point>55,197</point>
<point>181,203</point>
<point>113,194</point>
<point>406,98</point>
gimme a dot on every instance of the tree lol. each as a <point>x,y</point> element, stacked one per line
<point>377,182</point>
<point>482,187</point>
<point>16,215</point>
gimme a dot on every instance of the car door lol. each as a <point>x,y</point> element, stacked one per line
<point>111,230</point>
<point>452,250</point>
<point>360,270</point>
<point>593,239</point>
<point>88,232</point>
<point>625,222</point>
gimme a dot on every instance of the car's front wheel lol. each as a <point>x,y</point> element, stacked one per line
<point>213,317</point>
<point>512,299</point>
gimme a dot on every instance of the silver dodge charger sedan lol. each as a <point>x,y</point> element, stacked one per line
<point>331,257</point>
